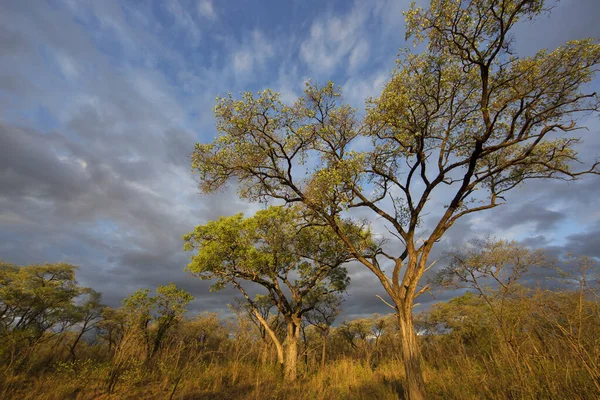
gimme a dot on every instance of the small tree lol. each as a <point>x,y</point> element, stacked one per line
<point>141,324</point>
<point>86,315</point>
<point>111,326</point>
<point>297,264</point>
<point>169,306</point>
<point>135,343</point>
<point>35,305</point>
<point>322,316</point>
<point>466,121</point>
<point>494,268</point>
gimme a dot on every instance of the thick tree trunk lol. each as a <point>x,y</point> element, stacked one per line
<point>291,351</point>
<point>411,356</point>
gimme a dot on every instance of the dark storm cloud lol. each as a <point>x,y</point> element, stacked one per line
<point>584,243</point>
<point>110,190</point>
<point>542,218</point>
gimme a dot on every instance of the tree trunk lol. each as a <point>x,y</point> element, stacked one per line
<point>74,344</point>
<point>411,355</point>
<point>305,347</point>
<point>273,336</point>
<point>291,351</point>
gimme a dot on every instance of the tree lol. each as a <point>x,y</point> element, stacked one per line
<point>87,314</point>
<point>322,316</point>
<point>112,326</point>
<point>162,310</point>
<point>364,334</point>
<point>467,121</point>
<point>139,327</point>
<point>35,305</point>
<point>135,342</point>
<point>493,269</point>
<point>297,264</point>
<point>169,304</point>
<point>262,304</point>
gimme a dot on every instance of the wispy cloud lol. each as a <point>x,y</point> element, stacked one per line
<point>333,38</point>
<point>184,19</point>
<point>206,9</point>
<point>251,54</point>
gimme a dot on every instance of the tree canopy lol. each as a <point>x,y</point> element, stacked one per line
<point>298,263</point>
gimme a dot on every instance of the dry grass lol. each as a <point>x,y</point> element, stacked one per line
<point>555,355</point>
<point>345,379</point>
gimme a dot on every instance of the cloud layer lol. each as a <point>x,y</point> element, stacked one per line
<point>101,103</point>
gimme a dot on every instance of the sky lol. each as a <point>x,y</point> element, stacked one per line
<point>101,103</point>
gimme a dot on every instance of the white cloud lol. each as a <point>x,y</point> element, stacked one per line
<point>356,90</point>
<point>359,54</point>
<point>206,9</point>
<point>334,38</point>
<point>252,54</point>
<point>68,67</point>
<point>184,19</point>
<point>242,61</point>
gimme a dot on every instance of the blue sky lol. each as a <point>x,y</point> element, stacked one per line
<point>101,103</point>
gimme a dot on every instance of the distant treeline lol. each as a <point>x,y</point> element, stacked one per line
<point>498,341</point>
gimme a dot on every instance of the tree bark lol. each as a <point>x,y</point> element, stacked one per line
<point>291,351</point>
<point>411,355</point>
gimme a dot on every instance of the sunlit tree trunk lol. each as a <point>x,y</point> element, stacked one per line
<point>291,350</point>
<point>273,336</point>
<point>411,356</point>
<point>404,301</point>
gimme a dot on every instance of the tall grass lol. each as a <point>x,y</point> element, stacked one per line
<point>548,348</point>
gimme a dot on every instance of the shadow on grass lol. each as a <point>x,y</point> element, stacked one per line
<point>388,389</point>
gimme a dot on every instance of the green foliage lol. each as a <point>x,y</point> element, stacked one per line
<point>34,297</point>
<point>148,318</point>
<point>170,301</point>
<point>36,303</point>
<point>276,243</point>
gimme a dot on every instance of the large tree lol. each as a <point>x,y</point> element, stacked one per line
<point>299,265</point>
<point>466,121</point>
